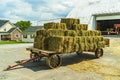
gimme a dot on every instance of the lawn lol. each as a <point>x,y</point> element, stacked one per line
<point>11,42</point>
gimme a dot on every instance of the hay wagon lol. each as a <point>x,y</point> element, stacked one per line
<point>68,36</point>
<point>53,58</point>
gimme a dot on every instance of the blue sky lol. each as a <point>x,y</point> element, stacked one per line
<point>35,10</point>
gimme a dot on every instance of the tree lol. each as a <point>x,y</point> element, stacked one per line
<point>23,24</point>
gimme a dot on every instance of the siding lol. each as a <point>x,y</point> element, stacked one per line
<point>14,35</point>
<point>28,39</point>
<point>7,26</point>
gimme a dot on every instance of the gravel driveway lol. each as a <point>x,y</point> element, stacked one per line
<point>74,67</point>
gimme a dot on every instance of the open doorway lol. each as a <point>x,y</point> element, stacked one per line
<point>108,25</point>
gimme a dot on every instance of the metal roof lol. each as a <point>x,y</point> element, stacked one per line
<point>2,22</point>
<point>32,29</point>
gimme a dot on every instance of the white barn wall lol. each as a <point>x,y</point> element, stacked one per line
<point>86,9</point>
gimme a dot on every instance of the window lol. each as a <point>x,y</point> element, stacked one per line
<point>32,36</point>
<point>17,36</point>
<point>25,36</point>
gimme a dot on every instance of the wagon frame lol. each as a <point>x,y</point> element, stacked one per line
<point>53,59</point>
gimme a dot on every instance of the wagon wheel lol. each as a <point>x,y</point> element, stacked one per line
<point>98,53</point>
<point>32,55</point>
<point>79,52</point>
<point>53,61</point>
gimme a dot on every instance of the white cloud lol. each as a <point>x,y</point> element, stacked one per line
<point>16,10</point>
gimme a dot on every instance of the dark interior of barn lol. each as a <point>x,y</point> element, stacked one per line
<point>106,25</point>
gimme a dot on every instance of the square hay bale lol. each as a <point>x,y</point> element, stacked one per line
<point>98,33</point>
<point>41,32</point>
<point>69,22</point>
<point>38,42</point>
<point>100,38</point>
<point>89,39</point>
<point>79,27</point>
<point>55,32</point>
<point>61,26</point>
<point>69,44</point>
<point>70,33</point>
<point>107,41</point>
<point>54,43</point>
<point>91,46</point>
<point>84,26</point>
<point>80,43</point>
<point>101,44</point>
<point>49,25</point>
<point>82,33</point>
<point>53,25</point>
<point>94,33</point>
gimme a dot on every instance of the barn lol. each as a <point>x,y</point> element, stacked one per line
<point>102,15</point>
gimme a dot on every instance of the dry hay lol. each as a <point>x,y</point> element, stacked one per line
<point>39,42</point>
<point>107,41</point>
<point>69,44</point>
<point>114,47</point>
<point>79,27</point>
<point>41,32</point>
<point>54,32</point>
<point>94,33</point>
<point>59,44</point>
<point>53,25</point>
<point>91,66</point>
<point>76,37</point>
<point>70,33</point>
<point>69,22</point>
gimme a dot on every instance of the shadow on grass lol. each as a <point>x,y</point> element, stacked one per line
<point>67,59</point>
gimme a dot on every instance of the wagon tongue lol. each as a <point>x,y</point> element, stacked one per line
<point>20,63</point>
<point>8,68</point>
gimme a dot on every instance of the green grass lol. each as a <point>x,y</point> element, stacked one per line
<point>11,42</point>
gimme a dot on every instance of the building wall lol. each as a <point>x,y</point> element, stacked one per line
<point>16,35</point>
<point>28,38</point>
<point>6,27</point>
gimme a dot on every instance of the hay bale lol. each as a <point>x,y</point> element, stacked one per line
<point>69,22</point>
<point>80,43</point>
<point>82,33</point>
<point>53,25</point>
<point>54,44</point>
<point>69,44</point>
<point>55,32</point>
<point>89,39</point>
<point>101,44</point>
<point>41,32</point>
<point>94,33</point>
<point>84,26</point>
<point>61,26</point>
<point>79,27</point>
<point>91,46</point>
<point>60,44</point>
<point>107,41</point>
<point>70,33</point>
<point>49,25</point>
<point>39,42</point>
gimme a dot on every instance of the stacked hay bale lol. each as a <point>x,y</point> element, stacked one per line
<point>68,36</point>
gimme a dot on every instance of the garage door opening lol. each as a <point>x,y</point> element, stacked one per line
<point>108,25</point>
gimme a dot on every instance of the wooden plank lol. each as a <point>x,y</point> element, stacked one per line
<point>44,52</point>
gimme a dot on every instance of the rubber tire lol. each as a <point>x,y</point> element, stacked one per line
<point>52,59</point>
<point>98,53</point>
